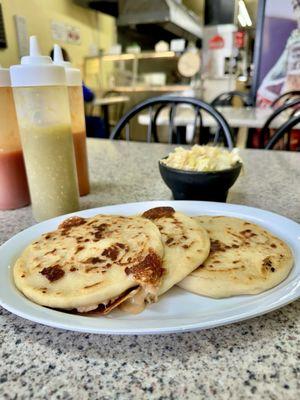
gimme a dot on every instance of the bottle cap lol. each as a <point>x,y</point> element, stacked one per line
<point>36,69</point>
<point>73,75</point>
<point>4,77</point>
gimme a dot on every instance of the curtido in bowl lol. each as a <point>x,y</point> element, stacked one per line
<point>201,173</point>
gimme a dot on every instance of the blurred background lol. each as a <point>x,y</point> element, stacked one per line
<point>131,50</point>
<point>114,42</point>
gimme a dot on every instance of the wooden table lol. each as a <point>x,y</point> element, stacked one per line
<point>254,359</point>
<point>237,117</point>
<point>104,103</point>
<point>248,117</point>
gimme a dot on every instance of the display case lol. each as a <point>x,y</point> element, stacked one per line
<point>140,72</point>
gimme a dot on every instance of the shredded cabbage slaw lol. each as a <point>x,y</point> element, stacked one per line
<point>202,158</point>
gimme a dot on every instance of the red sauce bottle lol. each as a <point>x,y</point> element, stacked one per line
<point>13,182</point>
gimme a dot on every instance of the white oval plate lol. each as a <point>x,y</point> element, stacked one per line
<point>177,310</point>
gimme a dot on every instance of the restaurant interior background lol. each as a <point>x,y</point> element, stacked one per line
<point>132,50</point>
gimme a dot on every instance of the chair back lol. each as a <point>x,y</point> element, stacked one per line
<point>265,133</point>
<point>283,98</point>
<point>156,104</point>
<point>226,99</point>
<point>284,134</point>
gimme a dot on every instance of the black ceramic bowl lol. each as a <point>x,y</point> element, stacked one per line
<point>194,185</point>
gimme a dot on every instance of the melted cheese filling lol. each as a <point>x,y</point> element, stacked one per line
<point>135,304</point>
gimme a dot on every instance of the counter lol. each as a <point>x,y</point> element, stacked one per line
<point>255,359</point>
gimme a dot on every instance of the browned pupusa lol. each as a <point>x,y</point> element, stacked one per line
<point>89,262</point>
<point>244,259</point>
<point>186,244</point>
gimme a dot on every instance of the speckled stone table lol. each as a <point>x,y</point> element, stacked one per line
<point>258,358</point>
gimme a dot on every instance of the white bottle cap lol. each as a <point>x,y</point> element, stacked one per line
<point>73,75</point>
<point>37,70</point>
<point>4,77</point>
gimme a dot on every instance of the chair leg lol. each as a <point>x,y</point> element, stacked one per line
<point>181,135</point>
<point>204,133</point>
<point>242,138</point>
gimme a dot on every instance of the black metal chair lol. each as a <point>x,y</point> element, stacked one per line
<point>265,133</point>
<point>226,99</point>
<point>156,104</point>
<point>284,132</point>
<point>203,138</point>
<point>285,97</point>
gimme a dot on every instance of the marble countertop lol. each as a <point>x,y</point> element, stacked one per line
<point>258,358</point>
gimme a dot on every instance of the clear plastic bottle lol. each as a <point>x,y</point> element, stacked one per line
<point>13,182</point>
<point>74,83</point>
<point>43,113</point>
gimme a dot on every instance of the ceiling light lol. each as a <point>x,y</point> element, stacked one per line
<point>244,13</point>
<point>242,21</point>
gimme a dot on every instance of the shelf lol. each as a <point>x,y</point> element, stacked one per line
<point>143,88</point>
<point>139,56</point>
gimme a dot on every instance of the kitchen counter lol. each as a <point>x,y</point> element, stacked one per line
<point>258,358</point>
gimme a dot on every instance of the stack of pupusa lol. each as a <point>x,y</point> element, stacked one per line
<point>98,263</point>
